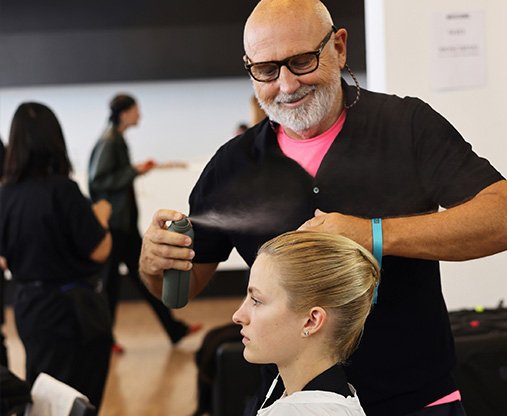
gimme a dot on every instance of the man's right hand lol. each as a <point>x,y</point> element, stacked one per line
<point>163,249</point>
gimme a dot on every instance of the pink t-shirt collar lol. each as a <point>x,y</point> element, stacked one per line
<point>310,152</point>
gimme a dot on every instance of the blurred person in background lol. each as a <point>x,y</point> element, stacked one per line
<point>111,176</point>
<point>240,129</point>
<point>3,348</point>
<point>54,242</point>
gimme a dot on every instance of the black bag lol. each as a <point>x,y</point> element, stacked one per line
<point>481,350</point>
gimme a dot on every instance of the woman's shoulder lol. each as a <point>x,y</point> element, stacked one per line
<point>50,181</point>
<point>315,403</point>
<point>61,180</point>
<point>63,185</point>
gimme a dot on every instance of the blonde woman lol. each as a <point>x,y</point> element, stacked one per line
<point>308,298</point>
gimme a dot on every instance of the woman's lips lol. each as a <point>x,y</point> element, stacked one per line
<point>245,338</point>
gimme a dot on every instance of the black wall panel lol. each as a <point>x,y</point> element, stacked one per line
<point>59,42</point>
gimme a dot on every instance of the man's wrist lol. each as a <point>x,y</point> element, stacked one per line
<point>377,239</point>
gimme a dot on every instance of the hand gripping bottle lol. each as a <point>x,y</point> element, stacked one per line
<point>176,282</point>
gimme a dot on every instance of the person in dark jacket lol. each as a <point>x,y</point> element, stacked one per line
<point>3,348</point>
<point>54,242</point>
<point>111,176</point>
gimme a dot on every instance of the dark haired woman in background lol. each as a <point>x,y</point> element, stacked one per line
<point>54,243</point>
<point>111,176</point>
<point>3,349</point>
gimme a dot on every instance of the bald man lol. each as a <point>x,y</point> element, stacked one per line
<point>340,159</point>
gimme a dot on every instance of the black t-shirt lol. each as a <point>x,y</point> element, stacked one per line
<point>48,230</point>
<point>394,157</point>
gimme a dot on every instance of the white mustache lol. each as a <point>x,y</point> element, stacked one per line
<point>284,97</point>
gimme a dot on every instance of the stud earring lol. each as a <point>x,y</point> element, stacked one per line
<point>306,333</point>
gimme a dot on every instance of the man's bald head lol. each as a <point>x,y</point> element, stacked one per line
<point>296,13</point>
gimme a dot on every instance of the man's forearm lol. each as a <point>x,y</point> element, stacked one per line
<point>474,229</point>
<point>200,277</point>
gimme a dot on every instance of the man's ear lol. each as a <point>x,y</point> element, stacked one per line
<point>315,321</point>
<point>340,44</point>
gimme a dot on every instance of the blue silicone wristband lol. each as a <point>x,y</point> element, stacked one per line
<point>376,228</point>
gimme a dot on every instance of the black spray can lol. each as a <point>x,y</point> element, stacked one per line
<point>176,282</point>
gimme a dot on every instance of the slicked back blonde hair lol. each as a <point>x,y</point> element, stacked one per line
<point>330,271</point>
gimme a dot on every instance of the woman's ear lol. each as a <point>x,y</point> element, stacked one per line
<point>315,320</point>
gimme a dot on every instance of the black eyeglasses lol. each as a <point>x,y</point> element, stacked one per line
<point>301,64</point>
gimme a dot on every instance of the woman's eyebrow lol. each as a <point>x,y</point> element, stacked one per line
<point>253,290</point>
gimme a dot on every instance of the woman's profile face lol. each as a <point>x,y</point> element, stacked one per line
<point>272,333</point>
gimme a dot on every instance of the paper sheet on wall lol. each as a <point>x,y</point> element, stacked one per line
<point>458,50</point>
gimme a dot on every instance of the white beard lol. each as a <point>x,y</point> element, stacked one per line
<point>307,115</point>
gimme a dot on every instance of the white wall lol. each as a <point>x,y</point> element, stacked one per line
<point>399,43</point>
<point>180,119</point>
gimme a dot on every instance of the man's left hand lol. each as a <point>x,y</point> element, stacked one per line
<point>355,228</point>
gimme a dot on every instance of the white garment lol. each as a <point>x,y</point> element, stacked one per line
<point>315,403</point>
<point>51,397</point>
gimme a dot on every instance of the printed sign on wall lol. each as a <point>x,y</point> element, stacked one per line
<point>458,50</point>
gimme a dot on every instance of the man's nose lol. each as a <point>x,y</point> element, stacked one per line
<point>288,82</point>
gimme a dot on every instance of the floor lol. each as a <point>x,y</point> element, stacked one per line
<point>151,377</point>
